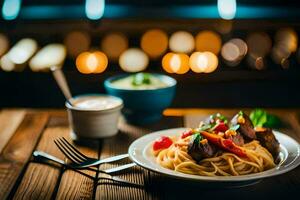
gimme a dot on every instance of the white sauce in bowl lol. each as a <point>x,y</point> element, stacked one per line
<point>126,83</point>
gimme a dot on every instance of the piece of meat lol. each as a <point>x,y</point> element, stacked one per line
<point>246,127</point>
<point>268,140</point>
<point>199,150</point>
<point>237,139</point>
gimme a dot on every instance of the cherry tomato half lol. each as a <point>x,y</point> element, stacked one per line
<point>162,143</point>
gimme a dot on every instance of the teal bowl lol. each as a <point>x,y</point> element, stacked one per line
<point>143,106</point>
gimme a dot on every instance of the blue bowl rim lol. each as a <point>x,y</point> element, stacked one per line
<point>107,82</point>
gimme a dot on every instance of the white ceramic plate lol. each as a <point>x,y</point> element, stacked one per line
<point>140,152</point>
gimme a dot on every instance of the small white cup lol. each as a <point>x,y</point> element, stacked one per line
<point>97,121</point>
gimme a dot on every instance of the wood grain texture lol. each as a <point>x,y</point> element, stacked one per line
<point>40,179</point>
<point>9,122</point>
<point>74,185</point>
<point>118,145</point>
<point>18,151</point>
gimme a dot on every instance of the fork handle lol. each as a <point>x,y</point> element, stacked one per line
<point>41,154</point>
<point>120,168</point>
<point>111,159</point>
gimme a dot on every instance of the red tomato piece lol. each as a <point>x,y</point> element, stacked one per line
<point>163,142</point>
<point>186,134</point>
<point>221,127</point>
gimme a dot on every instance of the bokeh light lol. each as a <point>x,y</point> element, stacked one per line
<point>94,9</point>
<point>279,53</point>
<point>176,63</point>
<point>166,62</point>
<point>230,52</point>
<point>48,56</point>
<point>182,42</point>
<point>114,44</point>
<point>257,63</point>
<point>285,63</point>
<point>234,51</point>
<point>206,62</point>
<point>288,38</point>
<point>286,43</point>
<point>6,64</point>
<point>11,9</point>
<point>259,44</point>
<point>4,44</point>
<point>224,26</point>
<point>208,41</point>
<point>227,9</point>
<point>22,51</point>
<point>133,60</point>
<point>77,42</point>
<point>154,42</point>
<point>17,57</point>
<point>95,62</point>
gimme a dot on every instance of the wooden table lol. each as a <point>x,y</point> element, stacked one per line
<point>21,177</point>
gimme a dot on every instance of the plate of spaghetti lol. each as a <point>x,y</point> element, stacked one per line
<point>218,150</point>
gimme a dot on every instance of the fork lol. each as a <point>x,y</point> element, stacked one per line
<point>72,153</point>
<point>43,155</point>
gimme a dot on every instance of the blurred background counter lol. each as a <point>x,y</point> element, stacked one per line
<point>223,53</point>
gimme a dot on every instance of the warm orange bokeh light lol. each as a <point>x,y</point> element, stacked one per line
<point>208,41</point>
<point>102,62</point>
<point>114,44</point>
<point>287,38</point>
<point>154,42</point>
<point>184,64</point>
<point>176,63</point>
<point>206,62</point>
<point>166,62</point>
<point>77,42</point>
<point>95,62</point>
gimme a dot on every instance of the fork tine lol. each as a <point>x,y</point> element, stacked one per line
<point>71,150</point>
<point>66,152</point>
<point>67,143</point>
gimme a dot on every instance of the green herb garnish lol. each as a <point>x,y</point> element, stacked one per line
<point>205,127</point>
<point>219,116</point>
<point>260,118</point>
<point>141,79</point>
<point>197,137</point>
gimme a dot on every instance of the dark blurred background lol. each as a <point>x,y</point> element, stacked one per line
<point>268,79</point>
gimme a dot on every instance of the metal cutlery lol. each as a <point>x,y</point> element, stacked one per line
<point>43,155</point>
<point>72,153</point>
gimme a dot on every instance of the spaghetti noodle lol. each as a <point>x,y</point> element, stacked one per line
<point>176,157</point>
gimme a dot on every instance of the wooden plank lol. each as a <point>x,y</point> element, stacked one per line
<point>18,151</point>
<point>118,145</point>
<point>76,185</point>
<point>40,180</point>
<point>9,122</point>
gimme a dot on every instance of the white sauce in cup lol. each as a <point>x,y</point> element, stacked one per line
<point>94,102</point>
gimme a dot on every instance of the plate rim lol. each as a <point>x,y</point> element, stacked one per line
<point>295,163</point>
